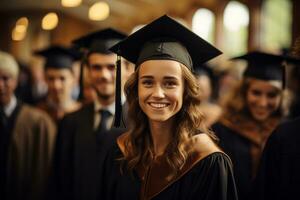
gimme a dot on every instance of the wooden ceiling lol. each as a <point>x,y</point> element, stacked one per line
<point>125,14</point>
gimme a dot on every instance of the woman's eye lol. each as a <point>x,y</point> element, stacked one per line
<point>147,82</point>
<point>256,92</point>
<point>273,94</point>
<point>170,84</point>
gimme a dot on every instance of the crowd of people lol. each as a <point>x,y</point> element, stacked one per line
<point>139,116</point>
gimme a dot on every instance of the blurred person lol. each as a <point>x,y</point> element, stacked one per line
<point>167,153</point>
<point>83,134</point>
<point>278,176</point>
<point>60,79</point>
<point>206,79</point>
<point>27,139</point>
<point>251,113</point>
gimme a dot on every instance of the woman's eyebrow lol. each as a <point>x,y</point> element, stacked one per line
<point>171,77</point>
<point>146,76</point>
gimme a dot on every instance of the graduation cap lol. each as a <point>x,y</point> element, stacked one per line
<point>265,66</point>
<point>162,39</point>
<point>99,41</point>
<point>58,57</point>
<point>96,42</point>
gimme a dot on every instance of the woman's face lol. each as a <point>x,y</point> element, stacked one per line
<point>160,89</point>
<point>263,99</point>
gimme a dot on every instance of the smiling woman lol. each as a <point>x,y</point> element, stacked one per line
<point>168,153</point>
<point>253,110</point>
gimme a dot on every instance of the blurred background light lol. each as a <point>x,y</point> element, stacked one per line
<point>50,21</point>
<point>20,29</point>
<point>71,3</point>
<point>17,35</point>
<point>22,24</point>
<point>236,16</point>
<point>203,24</point>
<point>99,11</point>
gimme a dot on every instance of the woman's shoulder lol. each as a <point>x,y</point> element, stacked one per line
<point>121,142</point>
<point>203,145</point>
<point>202,148</point>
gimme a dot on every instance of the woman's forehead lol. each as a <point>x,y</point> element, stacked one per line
<point>160,66</point>
<point>274,84</point>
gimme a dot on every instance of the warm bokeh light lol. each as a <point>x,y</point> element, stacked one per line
<point>19,31</point>
<point>203,24</point>
<point>70,3</point>
<point>236,15</point>
<point>18,35</point>
<point>22,24</point>
<point>236,26</point>
<point>50,21</point>
<point>99,11</point>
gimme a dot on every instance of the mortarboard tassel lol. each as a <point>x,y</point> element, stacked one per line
<point>81,84</point>
<point>81,75</point>
<point>118,104</point>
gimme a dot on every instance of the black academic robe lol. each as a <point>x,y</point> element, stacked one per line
<point>78,156</point>
<point>210,178</point>
<point>237,148</point>
<point>279,173</point>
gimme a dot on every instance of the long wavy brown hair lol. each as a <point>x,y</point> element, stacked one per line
<point>189,122</point>
<point>235,103</point>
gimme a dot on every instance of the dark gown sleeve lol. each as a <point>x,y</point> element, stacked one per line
<point>61,179</point>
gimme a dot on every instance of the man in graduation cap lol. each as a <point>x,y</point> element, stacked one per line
<point>60,79</point>
<point>251,113</point>
<point>27,137</point>
<point>279,176</point>
<point>83,134</point>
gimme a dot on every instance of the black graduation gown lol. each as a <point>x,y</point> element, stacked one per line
<point>279,173</point>
<point>238,149</point>
<point>210,179</point>
<point>6,128</point>
<point>78,156</point>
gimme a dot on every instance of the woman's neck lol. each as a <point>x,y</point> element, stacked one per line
<point>161,133</point>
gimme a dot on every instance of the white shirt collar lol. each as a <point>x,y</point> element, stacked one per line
<point>8,109</point>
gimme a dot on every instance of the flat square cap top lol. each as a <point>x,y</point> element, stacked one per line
<point>99,41</point>
<point>58,57</point>
<point>265,66</point>
<point>165,38</point>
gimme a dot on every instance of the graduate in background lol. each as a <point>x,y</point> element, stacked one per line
<point>168,153</point>
<point>27,137</point>
<point>251,113</point>
<point>83,134</point>
<point>206,79</point>
<point>279,176</point>
<point>60,80</point>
